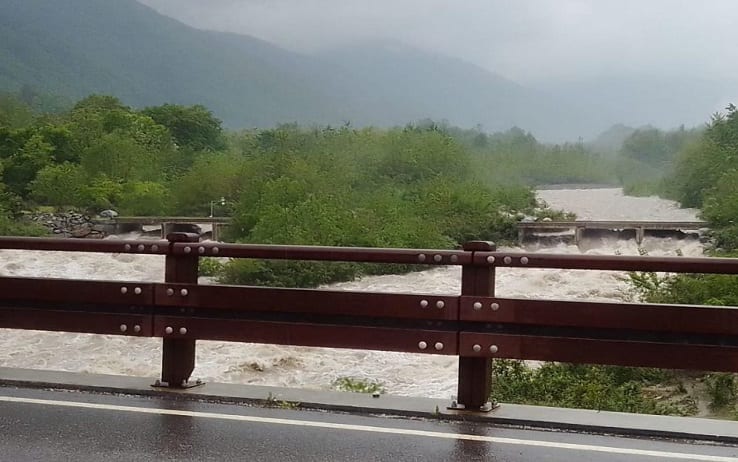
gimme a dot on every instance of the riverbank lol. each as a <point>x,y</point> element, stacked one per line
<point>68,224</point>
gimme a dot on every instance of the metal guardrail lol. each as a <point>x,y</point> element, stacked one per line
<point>475,325</point>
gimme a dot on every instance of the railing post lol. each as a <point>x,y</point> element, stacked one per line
<point>178,355</point>
<point>475,374</point>
<point>640,234</point>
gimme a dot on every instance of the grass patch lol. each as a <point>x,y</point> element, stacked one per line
<point>355,385</point>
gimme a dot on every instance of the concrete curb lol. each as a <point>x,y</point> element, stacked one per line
<point>581,420</point>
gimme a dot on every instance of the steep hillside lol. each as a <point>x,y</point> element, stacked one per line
<point>76,47</point>
<point>395,84</point>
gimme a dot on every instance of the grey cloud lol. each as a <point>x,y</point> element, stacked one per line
<point>529,41</point>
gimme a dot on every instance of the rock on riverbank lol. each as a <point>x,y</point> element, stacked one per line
<point>70,224</point>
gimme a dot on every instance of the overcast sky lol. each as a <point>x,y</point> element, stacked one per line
<point>525,40</point>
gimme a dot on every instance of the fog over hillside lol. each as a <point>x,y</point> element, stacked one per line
<point>661,62</point>
<point>563,70</point>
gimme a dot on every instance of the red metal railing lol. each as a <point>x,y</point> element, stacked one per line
<point>475,325</point>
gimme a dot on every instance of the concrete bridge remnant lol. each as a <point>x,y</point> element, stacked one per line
<point>168,225</point>
<point>637,229</point>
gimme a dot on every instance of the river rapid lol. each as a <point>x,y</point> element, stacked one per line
<point>400,373</point>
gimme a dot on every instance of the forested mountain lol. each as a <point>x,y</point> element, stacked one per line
<point>394,84</point>
<point>611,140</point>
<point>76,47</point>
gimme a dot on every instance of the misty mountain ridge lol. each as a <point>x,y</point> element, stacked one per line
<point>77,47</point>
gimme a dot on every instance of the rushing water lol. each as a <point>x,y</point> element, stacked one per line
<point>401,373</point>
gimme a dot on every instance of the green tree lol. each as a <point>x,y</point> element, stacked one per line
<point>121,158</point>
<point>100,192</point>
<point>59,185</point>
<point>144,198</point>
<point>14,113</point>
<point>192,127</point>
<point>720,209</point>
<point>21,167</point>
<point>701,164</point>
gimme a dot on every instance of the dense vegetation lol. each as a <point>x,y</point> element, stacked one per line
<point>604,388</point>
<point>647,156</point>
<point>515,157</point>
<point>423,185</point>
<point>705,175</point>
<point>697,168</point>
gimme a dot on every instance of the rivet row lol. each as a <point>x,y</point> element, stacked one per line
<point>438,258</point>
<point>424,345</point>
<point>508,260</point>
<point>201,249</point>
<point>170,330</point>
<point>494,306</point>
<point>136,328</point>
<point>440,304</point>
<point>478,348</point>
<point>140,248</point>
<point>136,290</point>
<point>215,250</point>
<point>182,292</point>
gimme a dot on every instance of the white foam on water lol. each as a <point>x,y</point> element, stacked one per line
<point>401,373</point>
<point>612,204</point>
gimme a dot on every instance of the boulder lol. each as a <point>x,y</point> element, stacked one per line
<point>108,213</point>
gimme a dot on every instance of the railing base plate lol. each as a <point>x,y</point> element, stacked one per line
<point>486,407</point>
<point>181,386</point>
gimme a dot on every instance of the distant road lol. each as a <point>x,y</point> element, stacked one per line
<point>62,426</point>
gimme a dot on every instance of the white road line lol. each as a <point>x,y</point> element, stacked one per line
<point>372,429</point>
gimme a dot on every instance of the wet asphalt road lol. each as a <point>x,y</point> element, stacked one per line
<point>38,425</point>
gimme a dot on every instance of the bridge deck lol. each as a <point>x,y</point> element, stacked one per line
<point>56,425</point>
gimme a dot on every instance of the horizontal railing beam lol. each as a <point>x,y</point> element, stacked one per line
<point>596,351</point>
<point>674,319</point>
<point>318,302</point>
<point>383,255</point>
<point>74,291</point>
<point>134,325</point>
<point>307,334</point>
<point>159,247</point>
<point>608,263</point>
<point>319,253</point>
